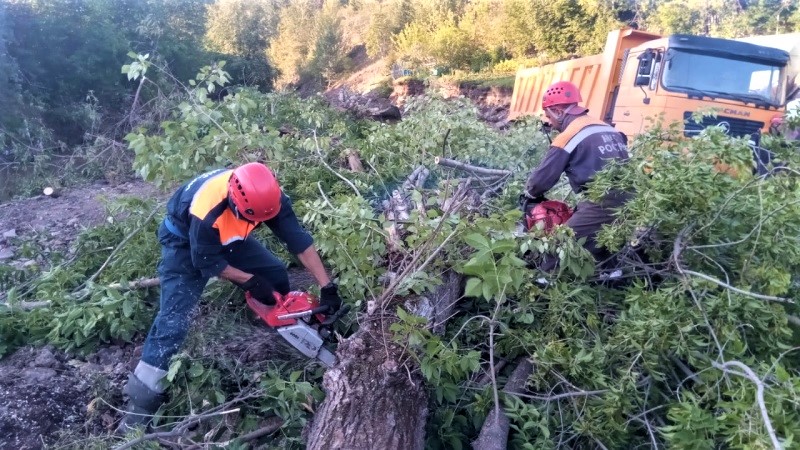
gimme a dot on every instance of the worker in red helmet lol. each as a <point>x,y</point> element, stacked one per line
<point>582,148</point>
<point>207,233</point>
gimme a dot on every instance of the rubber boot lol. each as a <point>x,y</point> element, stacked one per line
<point>143,403</point>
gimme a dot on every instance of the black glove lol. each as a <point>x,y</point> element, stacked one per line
<point>526,202</point>
<point>261,289</point>
<point>330,297</point>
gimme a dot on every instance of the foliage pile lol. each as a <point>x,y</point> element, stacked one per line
<point>694,350</point>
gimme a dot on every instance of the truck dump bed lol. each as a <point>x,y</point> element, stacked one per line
<point>596,76</point>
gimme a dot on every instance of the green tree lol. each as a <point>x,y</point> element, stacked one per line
<point>518,29</point>
<point>242,27</point>
<point>11,100</point>
<point>308,46</point>
<point>565,27</point>
<point>386,20</point>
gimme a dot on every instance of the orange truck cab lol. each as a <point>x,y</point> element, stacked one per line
<point>642,77</point>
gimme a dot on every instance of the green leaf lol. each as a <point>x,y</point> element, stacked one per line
<point>477,241</point>
<point>173,369</point>
<point>473,288</point>
<point>196,369</point>
<point>127,308</point>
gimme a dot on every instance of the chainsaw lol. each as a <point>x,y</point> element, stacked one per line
<point>547,212</point>
<point>301,321</point>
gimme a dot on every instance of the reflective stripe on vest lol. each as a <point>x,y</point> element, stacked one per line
<point>580,128</point>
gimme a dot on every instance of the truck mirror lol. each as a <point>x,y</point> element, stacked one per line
<point>645,69</point>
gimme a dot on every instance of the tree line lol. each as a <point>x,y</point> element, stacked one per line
<point>60,59</point>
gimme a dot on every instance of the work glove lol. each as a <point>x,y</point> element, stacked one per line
<point>261,289</point>
<point>329,296</point>
<point>527,202</point>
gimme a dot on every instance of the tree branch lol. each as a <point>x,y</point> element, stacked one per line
<point>453,164</point>
<point>677,248</point>
<point>737,290</point>
<point>183,426</point>
<point>748,373</point>
<point>120,245</point>
<point>324,163</point>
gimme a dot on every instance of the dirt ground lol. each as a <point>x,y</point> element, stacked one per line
<point>59,220</point>
<point>46,394</point>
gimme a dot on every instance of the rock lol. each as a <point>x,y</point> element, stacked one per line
<point>6,253</point>
<point>121,368</point>
<point>45,359</point>
<point>383,111</point>
<point>39,374</point>
<point>12,233</point>
<point>108,356</point>
<point>72,222</point>
<point>89,369</point>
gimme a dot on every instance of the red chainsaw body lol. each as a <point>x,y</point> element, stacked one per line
<point>550,213</point>
<point>291,303</point>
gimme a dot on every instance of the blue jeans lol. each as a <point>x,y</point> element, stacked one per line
<point>182,285</point>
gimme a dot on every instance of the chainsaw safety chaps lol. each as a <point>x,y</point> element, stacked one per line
<point>182,285</point>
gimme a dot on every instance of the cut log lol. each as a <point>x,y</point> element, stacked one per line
<point>373,401</point>
<point>494,433</point>
<point>397,206</point>
<point>28,306</point>
<point>438,306</point>
<point>445,298</point>
<point>143,283</point>
<point>51,192</point>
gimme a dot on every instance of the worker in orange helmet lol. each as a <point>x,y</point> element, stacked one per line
<point>583,148</point>
<point>207,233</point>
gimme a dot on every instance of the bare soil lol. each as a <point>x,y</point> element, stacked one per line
<point>46,394</point>
<point>59,220</point>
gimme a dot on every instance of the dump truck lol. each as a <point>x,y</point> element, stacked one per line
<point>642,77</point>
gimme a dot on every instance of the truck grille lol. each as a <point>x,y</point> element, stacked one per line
<point>734,126</point>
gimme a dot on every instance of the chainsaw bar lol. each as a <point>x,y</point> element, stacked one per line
<point>326,357</point>
<point>308,341</point>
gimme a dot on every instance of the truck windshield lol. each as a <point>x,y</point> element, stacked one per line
<point>717,76</point>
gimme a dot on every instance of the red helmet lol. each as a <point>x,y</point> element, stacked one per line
<point>550,213</point>
<point>255,192</point>
<point>561,93</point>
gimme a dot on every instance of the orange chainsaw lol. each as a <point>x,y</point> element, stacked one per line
<point>301,321</point>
